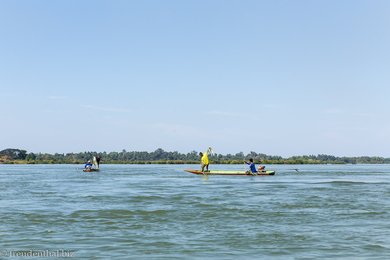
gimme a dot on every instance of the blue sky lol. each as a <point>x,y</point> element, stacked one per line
<point>277,77</point>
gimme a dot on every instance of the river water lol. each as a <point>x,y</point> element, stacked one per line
<point>162,212</point>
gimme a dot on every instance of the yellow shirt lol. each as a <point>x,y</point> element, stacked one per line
<point>205,158</point>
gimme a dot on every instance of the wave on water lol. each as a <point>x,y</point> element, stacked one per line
<point>348,182</point>
<point>116,213</point>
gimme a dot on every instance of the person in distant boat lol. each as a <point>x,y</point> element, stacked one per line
<point>88,165</point>
<point>98,158</point>
<point>204,160</point>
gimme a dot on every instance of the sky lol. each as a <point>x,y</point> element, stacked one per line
<point>277,77</point>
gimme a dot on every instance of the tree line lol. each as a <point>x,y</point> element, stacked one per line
<point>161,156</point>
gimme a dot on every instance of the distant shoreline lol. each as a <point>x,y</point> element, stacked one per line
<point>159,156</point>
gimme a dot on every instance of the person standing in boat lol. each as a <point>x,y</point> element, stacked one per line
<point>98,158</point>
<point>204,160</point>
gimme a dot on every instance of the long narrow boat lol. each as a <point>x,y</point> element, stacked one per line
<point>230,172</point>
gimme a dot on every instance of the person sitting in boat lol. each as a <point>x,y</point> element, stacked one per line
<point>261,168</point>
<point>204,159</point>
<point>252,167</point>
<point>88,165</point>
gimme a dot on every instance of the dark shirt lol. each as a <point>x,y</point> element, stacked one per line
<point>252,166</point>
<point>88,165</point>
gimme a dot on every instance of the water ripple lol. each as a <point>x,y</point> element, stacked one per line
<point>162,212</point>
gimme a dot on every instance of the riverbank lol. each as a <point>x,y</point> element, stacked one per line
<point>159,156</point>
<point>177,162</point>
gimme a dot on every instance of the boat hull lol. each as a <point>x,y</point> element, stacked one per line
<point>223,172</point>
<point>90,170</point>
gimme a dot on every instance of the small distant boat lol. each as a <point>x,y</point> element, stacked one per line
<point>225,172</point>
<point>91,170</point>
<point>95,166</point>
